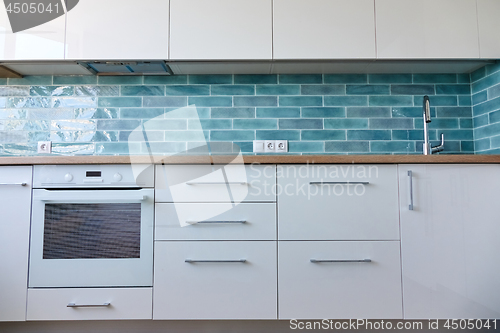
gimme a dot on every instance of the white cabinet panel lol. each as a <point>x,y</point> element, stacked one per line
<point>215,290</point>
<point>117,29</point>
<point>324,29</point>
<point>15,205</point>
<point>449,241</point>
<point>339,290</point>
<point>221,29</point>
<point>489,25</point>
<point>316,203</point>
<point>426,29</point>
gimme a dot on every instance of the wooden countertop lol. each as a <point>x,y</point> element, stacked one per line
<point>263,159</point>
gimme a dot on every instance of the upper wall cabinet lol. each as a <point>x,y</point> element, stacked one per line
<point>426,29</point>
<point>24,40</point>
<point>220,29</point>
<point>324,29</point>
<point>117,29</point>
<point>489,25</point>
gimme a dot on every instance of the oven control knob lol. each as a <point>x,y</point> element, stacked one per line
<point>117,177</point>
<point>68,177</point>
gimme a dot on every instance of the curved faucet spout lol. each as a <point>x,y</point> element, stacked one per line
<point>427,148</point>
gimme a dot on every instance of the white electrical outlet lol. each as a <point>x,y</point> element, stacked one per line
<point>270,146</point>
<point>44,147</point>
<point>281,146</point>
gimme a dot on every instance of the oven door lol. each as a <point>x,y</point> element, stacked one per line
<point>92,238</point>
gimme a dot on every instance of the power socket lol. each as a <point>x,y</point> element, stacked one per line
<point>44,147</point>
<point>270,146</point>
<point>282,146</point>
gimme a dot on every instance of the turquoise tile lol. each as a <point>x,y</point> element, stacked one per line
<point>116,124</point>
<point>480,120</point>
<point>464,100</point>
<point>164,147</point>
<point>255,79</point>
<point>347,147</point>
<point>434,78</point>
<point>390,100</point>
<point>3,102</point>
<point>143,91</point>
<point>13,136</point>
<point>491,105</point>
<point>392,146</point>
<point>234,89</point>
<point>463,78</point>
<point>278,112</point>
<point>300,78</point>
<point>494,117</point>
<point>187,90</point>
<point>412,112</point>
<point>352,123</point>
<point>457,134</point>
<point>233,113</point>
<point>323,135</point>
<point>255,124</point>
<point>167,102</point>
<point>300,101</point>
<point>188,135</point>
<point>390,78</point>
<point>165,124</point>
<point>120,79</point>
<point>3,81</point>
<point>232,135</point>
<point>368,135</point>
<point>412,89</point>
<point>276,89</point>
<point>112,148</point>
<point>486,82</point>
<point>74,102</point>
<point>165,79</point>
<point>32,80</point>
<point>210,79</point>
<point>440,100</point>
<point>69,148</point>
<point>301,123</point>
<point>305,147</point>
<point>141,113</point>
<point>480,97</point>
<point>367,89</point>
<point>210,101</point>
<point>27,102</point>
<point>38,136</point>
<point>106,136</point>
<point>120,102</point>
<point>72,79</point>
<point>495,142</point>
<point>214,147</point>
<point>491,152</point>
<point>493,68</point>
<point>345,78</point>
<point>96,113</point>
<point>482,144</point>
<point>255,101</point>
<point>385,123</point>
<point>291,135</point>
<point>97,90</point>
<point>478,74</point>
<point>453,89</point>
<point>493,92</point>
<point>460,111</point>
<point>13,114</point>
<point>151,136</point>
<point>368,112</point>
<point>51,114</point>
<point>323,112</point>
<point>466,122</point>
<point>467,146</point>
<point>209,124</point>
<point>452,147</point>
<point>244,147</point>
<point>411,135</point>
<point>15,91</point>
<point>323,89</point>
<point>187,113</point>
<point>438,123</point>
<point>346,100</point>
<point>73,125</point>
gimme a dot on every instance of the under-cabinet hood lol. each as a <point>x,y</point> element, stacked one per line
<point>127,67</point>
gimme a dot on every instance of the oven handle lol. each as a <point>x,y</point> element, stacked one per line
<point>113,199</point>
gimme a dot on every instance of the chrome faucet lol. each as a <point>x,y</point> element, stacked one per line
<point>428,149</point>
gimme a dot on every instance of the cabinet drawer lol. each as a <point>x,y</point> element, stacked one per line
<point>215,183</point>
<point>124,303</point>
<point>315,290</point>
<point>243,288</point>
<point>215,221</point>
<point>338,202</point>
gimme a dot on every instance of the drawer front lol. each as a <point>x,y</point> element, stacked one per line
<point>339,290</point>
<point>124,303</point>
<point>215,221</point>
<point>215,290</point>
<point>215,183</point>
<point>316,203</point>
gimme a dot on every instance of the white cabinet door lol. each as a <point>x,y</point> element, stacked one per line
<point>15,208</point>
<point>449,241</point>
<point>323,29</point>
<point>41,42</point>
<point>220,29</point>
<point>426,29</point>
<point>489,25</point>
<point>117,29</point>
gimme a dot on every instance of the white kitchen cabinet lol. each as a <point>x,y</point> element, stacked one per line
<point>117,29</point>
<point>488,25</point>
<point>449,241</point>
<point>408,29</point>
<point>311,285</point>
<point>42,42</point>
<point>15,205</point>
<point>324,29</point>
<point>220,29</point>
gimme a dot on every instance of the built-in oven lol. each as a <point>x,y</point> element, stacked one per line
<point>92,226</point>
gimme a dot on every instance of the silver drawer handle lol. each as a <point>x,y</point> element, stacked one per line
<point>215,222</point>
<point>13,184</point>
<point>216,183</point>
<point>339,183</point>
<point>321,260</point>
<point>73,305</point>
<point>410,186</point>
<point>114,199</point>
<point>191,261</point>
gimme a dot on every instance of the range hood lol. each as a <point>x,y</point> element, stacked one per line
<point>127,67</point>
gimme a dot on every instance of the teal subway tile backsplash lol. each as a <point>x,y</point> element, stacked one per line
<point>330,113</point>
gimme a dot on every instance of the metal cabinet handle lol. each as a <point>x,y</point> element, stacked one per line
<point>339,183</point>
<point>410,186</point>
<point>120,199</point>
<point>215,222</point>
<point>73,305</point>
<point>340,260</point>
<point>192,261</point>
<point>13,184</point>
<point>216,183</point>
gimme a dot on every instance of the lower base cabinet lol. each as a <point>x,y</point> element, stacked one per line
<point>215,280</point>
<point>336,280</point>
<point>89,304</point>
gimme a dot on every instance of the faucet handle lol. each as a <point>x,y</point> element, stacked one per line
<point>440,147</point>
